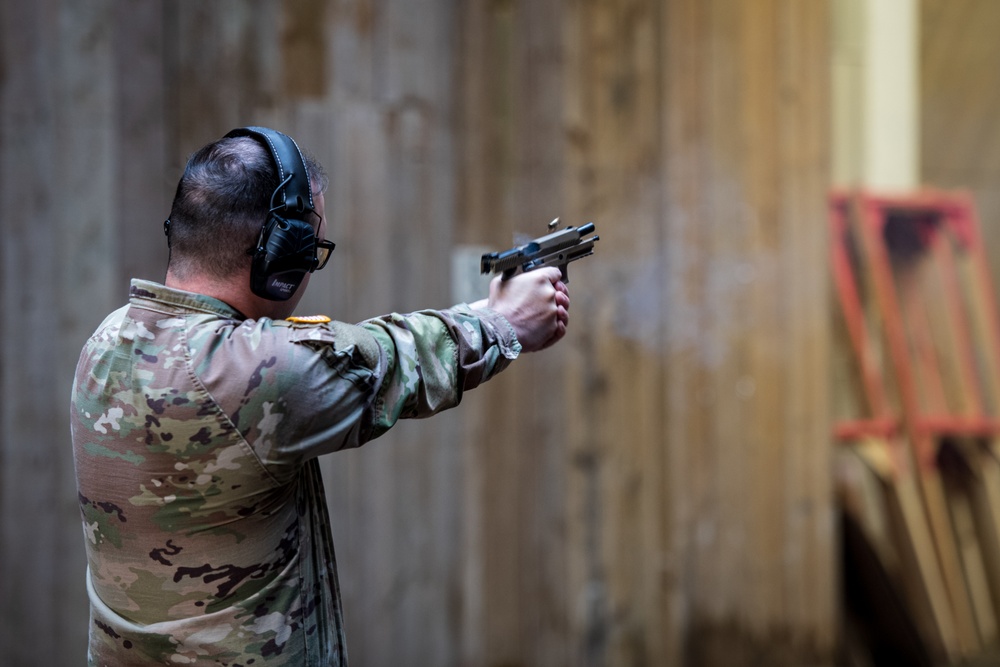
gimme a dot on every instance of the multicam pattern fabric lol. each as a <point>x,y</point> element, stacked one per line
<point>195,435</point>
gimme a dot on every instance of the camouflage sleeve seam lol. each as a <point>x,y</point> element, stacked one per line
<point>386,358</point>
<point>377,406</point>
<point>221,414</point>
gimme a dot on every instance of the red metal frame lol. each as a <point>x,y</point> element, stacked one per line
<point>923,414</point>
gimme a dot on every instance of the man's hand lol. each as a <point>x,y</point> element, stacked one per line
<point>536,304</point>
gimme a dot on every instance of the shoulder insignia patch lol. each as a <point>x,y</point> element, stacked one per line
<point>309,319</point>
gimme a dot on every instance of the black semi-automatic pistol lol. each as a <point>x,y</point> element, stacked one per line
<point>557,248</point>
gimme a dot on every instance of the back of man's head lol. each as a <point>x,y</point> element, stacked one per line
<point>221,204</point>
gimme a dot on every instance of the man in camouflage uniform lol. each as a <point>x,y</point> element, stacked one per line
<point>199,412</point>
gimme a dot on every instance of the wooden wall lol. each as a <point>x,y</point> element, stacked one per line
<point>960,135</point>
<point>655,490</point>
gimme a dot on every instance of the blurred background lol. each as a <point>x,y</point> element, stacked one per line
<point>667,486</point>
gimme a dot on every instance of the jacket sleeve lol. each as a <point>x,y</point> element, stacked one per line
<point>431,357</point>
<point>340,385</point>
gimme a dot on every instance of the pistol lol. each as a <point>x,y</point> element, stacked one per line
<point>557,248</point>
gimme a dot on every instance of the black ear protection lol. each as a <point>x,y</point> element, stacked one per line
<point>286,250</point>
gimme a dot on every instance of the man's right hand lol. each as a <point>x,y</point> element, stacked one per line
<point>536,304</point>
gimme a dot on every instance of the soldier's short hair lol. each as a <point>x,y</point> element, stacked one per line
<point>221,203</point>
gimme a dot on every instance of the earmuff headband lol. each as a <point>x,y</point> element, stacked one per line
<point>297,192</point>
<point>287,249</point>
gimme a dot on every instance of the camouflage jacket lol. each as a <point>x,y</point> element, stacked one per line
<point>195,435</point>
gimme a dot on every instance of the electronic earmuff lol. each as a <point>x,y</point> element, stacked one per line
<point>286,250</point>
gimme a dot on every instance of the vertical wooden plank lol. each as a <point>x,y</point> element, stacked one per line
<point>488,144</point>
<point>960,468</point>
<point>805,118</point>
<point>144,188</point>
<point>959,142</point>
<point>616,484</point>
<point>735,603</point>
<point>925,584</point>
<point>516,111</point>
<point>231,39</point>
<point>538,195</point>
<point>358,211</point>
<point>771,399</point>
<point>687,31</point>
<point>763,165</point>
<point>58,120</point>
<point>25,163</point>
<point>414,93</point>
<point>391,207</point>
<point>508,638</point>
<point>985,499</point>
<point>303,49</point>
<point>809,552</point>
<point>476,200</point>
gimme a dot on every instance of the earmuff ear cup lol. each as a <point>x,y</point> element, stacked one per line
<point>285,254</point>
<point>286,250</point>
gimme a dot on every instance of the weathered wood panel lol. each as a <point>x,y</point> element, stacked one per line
<point>746,110</point>
<point>511,183</point>
<point>619,504</point>
<point>654,490</point>
<point>959,96</point>
<point>694,135</point>
<point>58,192</point>
<point>399,521</point>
